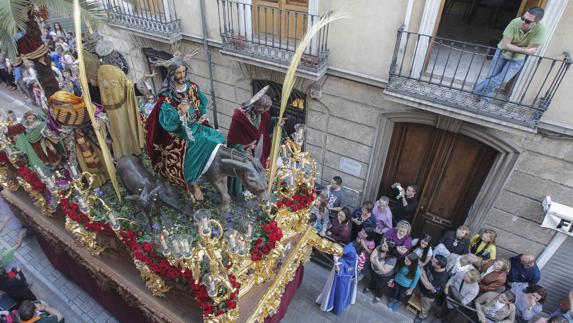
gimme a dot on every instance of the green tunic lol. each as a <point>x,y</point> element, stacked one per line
<point>206,138</point>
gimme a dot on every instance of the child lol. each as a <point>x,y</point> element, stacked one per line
<point>320,211</point>
<point>406,279</point>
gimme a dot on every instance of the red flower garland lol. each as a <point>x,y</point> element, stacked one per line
<point>31,178</point>
<point>145,252</point>
<point>72,211</point>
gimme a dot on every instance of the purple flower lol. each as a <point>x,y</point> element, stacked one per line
<point>98,191</point>
<point>62,182</point>
<point>155,226</point>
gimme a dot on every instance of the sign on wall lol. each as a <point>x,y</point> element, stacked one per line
<point>558,217</point>
<point>350,166</point>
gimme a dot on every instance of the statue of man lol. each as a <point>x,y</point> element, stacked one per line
<point>30,139</point>
<point>180,142</point>
<point>251,122</point>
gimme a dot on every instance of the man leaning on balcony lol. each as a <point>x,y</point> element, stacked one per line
<point>521,37</point>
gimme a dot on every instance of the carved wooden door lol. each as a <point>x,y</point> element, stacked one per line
<point>449,169</point>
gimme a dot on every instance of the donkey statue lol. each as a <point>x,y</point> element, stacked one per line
<point>230,162</point>
<point>226,162</point>
<point>144,187</point>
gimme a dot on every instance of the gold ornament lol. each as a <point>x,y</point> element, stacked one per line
<point>84,237</point>
<point>153,282</point>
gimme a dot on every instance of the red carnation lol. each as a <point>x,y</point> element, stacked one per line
<point>231,304</point>
<point>147,246</point>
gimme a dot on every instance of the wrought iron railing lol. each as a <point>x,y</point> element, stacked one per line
<point>271,34</point>
<point>149,16</point>
<point>446,72</point>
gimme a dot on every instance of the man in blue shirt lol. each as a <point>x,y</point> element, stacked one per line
<point>524,269</point>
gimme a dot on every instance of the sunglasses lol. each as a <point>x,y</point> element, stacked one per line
<point>527,21</point>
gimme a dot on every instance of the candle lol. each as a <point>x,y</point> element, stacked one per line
<point>212,287</point>
<point>163,242</point>
<point>40,171</point>
<point>302,163</point>
<point>242,246</point>
<point>232,242</point>
<point>284,151</point>
<point>250,230</point>
<point>83,205</point>
<point>74,171</point>
<point>291,180</point>
<point>112,219</point>
<point>205,225</point>
<point>185,245</point>
<point>50,182</point>
<point>176,248</point>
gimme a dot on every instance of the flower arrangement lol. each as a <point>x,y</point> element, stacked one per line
<point>145,252</point>
<point>266,241</point>
<point>30,177</point>
<point>302,198</point>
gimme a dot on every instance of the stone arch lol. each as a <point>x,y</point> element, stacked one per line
<point>508,154</point>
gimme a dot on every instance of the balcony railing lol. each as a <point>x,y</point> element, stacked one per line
<point>152,17</point>
<point>271,35</point>
<point>445,71</point>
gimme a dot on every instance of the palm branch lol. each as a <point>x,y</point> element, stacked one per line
<point>13,17</point>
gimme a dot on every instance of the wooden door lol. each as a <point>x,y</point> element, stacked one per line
<point>280,20</point>
<point>449,169</point>
<point>526,4</point>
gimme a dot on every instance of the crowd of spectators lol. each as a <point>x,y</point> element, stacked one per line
<point>63,54</point>
<point>461,275</point>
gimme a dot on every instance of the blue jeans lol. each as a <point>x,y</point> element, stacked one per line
<point>501,70</point>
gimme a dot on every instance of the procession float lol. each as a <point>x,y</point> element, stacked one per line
<point>110,200</point>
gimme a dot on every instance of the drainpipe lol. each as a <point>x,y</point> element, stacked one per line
<point>210,62</point>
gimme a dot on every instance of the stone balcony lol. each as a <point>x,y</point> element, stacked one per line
<point>439,75</point>
<point>268,37</point>
<point>154,19</point>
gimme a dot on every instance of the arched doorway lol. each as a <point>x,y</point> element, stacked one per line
<point>448,167</point>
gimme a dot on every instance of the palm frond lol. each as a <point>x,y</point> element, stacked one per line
<point>288,85</point>
<point>13,17</point>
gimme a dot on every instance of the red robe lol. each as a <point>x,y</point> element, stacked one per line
<point>243,132</point>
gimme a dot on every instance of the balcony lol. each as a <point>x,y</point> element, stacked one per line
<point>268,37</point>
<point>155,19</point>
<point>439,75</point>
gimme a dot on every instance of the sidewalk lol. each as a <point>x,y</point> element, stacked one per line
<point>48,283</point>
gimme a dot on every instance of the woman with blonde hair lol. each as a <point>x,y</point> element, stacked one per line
<point>483,244</point>
<point>401,236</point>
<point>493,274</point>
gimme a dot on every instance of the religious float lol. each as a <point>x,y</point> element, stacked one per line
<point>124,222</point>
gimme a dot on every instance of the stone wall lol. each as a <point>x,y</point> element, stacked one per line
<point>545,167</point>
